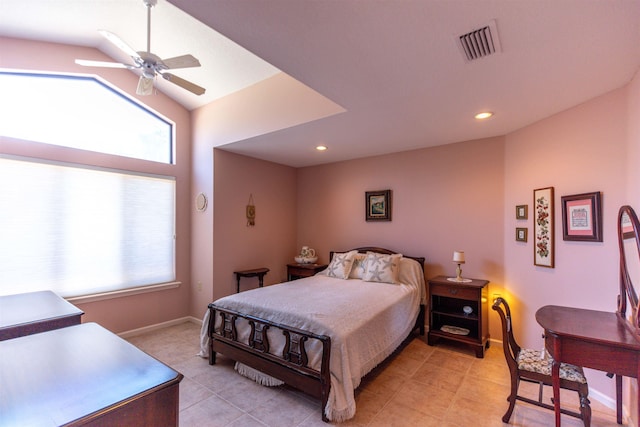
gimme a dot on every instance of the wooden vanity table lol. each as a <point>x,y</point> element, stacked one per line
<point>606,341</point>
<point>591,339</point>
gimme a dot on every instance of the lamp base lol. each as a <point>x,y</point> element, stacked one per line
<point>460,280</point>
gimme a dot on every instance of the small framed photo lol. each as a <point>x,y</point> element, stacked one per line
<point>521,234</point>
<point>377,205</point>
<point>582,217</point>
<point>522,211</point>
<point>543,228</point>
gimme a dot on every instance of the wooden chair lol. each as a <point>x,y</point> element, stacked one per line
<point>535,366</point>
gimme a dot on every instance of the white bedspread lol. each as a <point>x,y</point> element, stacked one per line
<point>366,321</point>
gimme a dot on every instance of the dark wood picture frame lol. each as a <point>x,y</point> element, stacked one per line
<point>377,205</point>
<point>522,211</point>
<point>582,217</point>
<point>543,228</point>
<point>521,234</point>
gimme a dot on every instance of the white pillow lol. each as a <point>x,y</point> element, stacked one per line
<point>340,265</point>
<point>382,268</point>
<point>359,266</point>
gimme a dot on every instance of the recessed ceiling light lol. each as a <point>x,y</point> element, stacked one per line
<point>483,115</point>
<point>321,147</point>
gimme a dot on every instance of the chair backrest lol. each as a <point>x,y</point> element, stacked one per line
<point>509,344</point>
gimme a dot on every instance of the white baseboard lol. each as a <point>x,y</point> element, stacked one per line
<point>150,328</point>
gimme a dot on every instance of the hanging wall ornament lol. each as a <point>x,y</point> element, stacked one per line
<point>251,212</point>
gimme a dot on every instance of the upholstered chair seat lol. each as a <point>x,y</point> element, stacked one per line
<point>537,361</point>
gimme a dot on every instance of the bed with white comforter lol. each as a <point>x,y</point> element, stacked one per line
<point>366,321</point>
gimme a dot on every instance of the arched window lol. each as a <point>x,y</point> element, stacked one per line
<point>73,228</point>
<point>81,112</point>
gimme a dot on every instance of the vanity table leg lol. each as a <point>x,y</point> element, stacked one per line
<point>619,399</point>
<point>555,379</point>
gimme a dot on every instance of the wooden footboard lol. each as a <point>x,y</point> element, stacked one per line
<point>290,367</point>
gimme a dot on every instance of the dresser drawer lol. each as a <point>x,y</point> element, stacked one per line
<point>454,291</point>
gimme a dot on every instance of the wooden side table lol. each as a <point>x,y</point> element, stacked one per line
<point>298,271</point>
<point>256,272</point>
<point>35,312</point>
<point>456,308</point>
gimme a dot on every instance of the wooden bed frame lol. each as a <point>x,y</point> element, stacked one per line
<point>292,367</point>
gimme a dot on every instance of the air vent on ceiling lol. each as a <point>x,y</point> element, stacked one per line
<point>480,43</point>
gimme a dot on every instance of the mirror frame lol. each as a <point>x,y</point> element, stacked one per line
<point>627,290</point>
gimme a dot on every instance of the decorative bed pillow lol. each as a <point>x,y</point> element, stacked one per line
<point>340,265</point>
<point>359,266</point>
<point>382,268</point>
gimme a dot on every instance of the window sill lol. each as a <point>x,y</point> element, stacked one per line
<point>123,293</point>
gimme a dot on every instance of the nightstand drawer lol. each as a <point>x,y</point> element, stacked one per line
<point>454,291</point>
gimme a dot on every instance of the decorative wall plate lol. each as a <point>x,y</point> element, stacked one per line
<point>201,202</point>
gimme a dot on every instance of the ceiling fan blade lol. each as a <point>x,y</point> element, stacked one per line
<point>184,61</point>
<point>117,41</point>
<point>90,63</point>
<point>191,87</point>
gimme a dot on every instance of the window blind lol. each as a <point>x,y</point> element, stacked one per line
<point>79,231</point>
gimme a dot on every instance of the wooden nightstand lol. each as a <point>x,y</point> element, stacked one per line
<point>298,271</point>
<point>447,317</point>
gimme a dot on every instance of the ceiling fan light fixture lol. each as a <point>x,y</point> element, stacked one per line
<point>145,86</point>
<point>148,63</point>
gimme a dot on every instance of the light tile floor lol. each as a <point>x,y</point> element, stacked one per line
<point>444,386</point>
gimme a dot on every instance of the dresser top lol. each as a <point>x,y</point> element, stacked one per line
<point>29,307</point>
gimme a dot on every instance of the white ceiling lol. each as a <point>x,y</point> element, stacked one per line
<point>394,66</point>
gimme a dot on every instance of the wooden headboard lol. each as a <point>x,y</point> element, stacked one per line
<point>365,249</point>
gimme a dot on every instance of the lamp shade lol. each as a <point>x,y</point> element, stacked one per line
<point>458,256</point>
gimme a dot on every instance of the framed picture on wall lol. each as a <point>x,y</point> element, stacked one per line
<point>543,228</point>
<point>522,211</point>
<point>582,217</point>
<point>377,205</point>
<point>521,234</point>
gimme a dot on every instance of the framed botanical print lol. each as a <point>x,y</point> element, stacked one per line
<point>543,228</point>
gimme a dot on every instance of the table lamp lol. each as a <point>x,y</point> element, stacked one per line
<point>458,258</point>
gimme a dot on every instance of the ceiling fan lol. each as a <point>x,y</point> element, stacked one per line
<point>147,62</point>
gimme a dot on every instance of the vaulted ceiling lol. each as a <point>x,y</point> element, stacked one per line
<point>393,70</point>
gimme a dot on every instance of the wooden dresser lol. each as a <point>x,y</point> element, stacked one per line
<point>34,312</point>
<point>84,375</point>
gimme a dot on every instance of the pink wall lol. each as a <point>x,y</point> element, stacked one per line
<point>580,150</point>
<point>444,199</point>
<point>221,242</point>
<point>124,313</point>
<point>271,241</point>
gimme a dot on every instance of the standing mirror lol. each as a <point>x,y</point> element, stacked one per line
<point>629,244</point>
